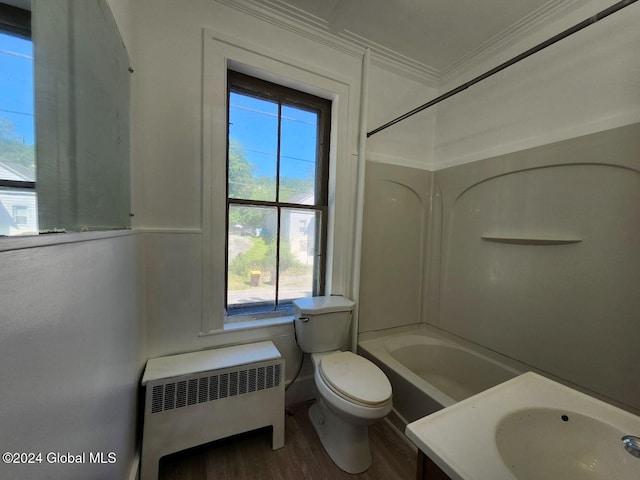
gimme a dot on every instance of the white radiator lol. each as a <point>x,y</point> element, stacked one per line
<point>199,397</point>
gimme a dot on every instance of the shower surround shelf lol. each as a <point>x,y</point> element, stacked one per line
<point>514,240</point>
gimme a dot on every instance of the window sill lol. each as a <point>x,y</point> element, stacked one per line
<point>258,323</point>
<point>248,325</point>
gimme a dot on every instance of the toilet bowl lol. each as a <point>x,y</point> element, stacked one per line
<point>352,392</point>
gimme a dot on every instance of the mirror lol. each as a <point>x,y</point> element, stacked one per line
<point>81,102</point>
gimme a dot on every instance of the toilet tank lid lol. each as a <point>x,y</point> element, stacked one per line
<point>326,304</point>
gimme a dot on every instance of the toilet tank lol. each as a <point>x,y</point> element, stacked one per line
<point>322,323</point>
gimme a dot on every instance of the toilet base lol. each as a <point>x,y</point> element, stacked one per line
<point>347,444</point>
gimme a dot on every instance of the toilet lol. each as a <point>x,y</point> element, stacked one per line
<point>352,392</point>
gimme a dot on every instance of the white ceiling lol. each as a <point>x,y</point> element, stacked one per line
<point>435,33</point>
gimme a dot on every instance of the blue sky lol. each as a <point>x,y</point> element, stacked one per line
<point>253,121</point>
<point>16,84</point>
<point>254,124</point>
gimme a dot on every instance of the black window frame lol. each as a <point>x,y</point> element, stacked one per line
<point>252,86</point>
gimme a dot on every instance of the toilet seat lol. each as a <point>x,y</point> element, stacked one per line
<point>355,379</point>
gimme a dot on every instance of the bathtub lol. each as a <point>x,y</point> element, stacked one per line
<point>429,371</point>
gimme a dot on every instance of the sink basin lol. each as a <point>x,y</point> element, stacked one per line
<point>531,428</point>
<point>540,443</point>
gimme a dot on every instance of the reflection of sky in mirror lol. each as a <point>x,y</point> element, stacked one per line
<point>253,123</point>
<point>16,85</point>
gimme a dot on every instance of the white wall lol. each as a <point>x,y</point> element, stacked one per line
<point>72,346</point>
<point>411,142</point>
<point>121,10</point>
<point>168,101</point>
<point>566,315</point>
<point>71,353</point>
<point>586,83</point>
<point>169,163</point>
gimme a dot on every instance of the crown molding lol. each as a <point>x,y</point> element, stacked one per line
<point>280,14</point>
<point>393,61</point>
<point>546,14</point>
<point>300,22</point>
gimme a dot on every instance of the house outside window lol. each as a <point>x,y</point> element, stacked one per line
<point>277,181</point>
<point>17,140</point>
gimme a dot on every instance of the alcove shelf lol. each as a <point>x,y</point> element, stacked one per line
<point>514,240</point>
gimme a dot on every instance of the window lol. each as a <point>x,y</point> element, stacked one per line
<point>277,180</point>
<point>20,214</point>
<point>17,151</point>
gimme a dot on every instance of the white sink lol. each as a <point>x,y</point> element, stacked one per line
<point>570,445</point>
<point>530,428</point>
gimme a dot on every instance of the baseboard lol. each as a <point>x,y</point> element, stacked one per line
<point>300,391</point>
<point>397,420</point>
<point>135,467</point>
<point>398,424</point>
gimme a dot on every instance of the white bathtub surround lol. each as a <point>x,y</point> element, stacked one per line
<point>567,309</point>
<point>529,428</point>
<point>395,242</point>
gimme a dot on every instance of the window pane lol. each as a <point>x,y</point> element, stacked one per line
<point>276,158</point>
<point>298,153</point>
<point>251,276</point>
<point>18,211</point>
<point>298,253</point>
<point>253,147</point>
<point>17,152</point>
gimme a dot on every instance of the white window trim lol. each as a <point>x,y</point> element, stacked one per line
<point>221,52</point>
<point>25,214</point>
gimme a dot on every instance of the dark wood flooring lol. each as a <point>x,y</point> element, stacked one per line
<point>249,456</point>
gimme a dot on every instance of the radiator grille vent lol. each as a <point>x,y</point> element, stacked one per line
<point>181,397</point>
<point>224,385</point>
<point>203,389</point>
<point>213,387</point>
<point>169,396</point>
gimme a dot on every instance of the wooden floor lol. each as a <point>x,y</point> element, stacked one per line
<point>249,456</point>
